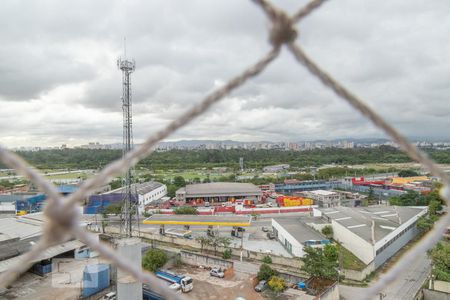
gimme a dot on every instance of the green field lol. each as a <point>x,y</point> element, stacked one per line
<point>82,175</point>
<point>349,260</point>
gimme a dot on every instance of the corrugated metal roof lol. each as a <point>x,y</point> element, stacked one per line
<point>49,253</point>
<point>221,188</point>
<point>11,228</point>
<point>359,220</point>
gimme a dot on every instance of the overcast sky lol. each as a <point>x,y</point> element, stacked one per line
<point>59,83</point>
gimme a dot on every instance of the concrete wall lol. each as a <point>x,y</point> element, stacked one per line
<point>283,236</point>
<point>395,246</point>
<point>358,246</point>
<point>196,259</point>
<point>442,286</point>
<point>435,295</point>
<point>404,225</point>
<point>332,293</point>
<point>358,275</point>
<point>292,279</point>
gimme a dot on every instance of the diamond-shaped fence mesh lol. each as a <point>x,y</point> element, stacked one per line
<point>62,217</point>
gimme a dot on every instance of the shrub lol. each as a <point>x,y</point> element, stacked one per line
<point>327,231</point>
<point>185,210</point>
<point>267,259</point>
<point>277,284</point>
<point>265,272</point>
<point>226,254</point>
<point>177,261</point>
<point>154,259</point>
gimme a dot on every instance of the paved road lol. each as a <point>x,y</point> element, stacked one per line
<point>404,288</point>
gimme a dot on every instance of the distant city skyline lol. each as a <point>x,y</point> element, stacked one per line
<point>230,144</point>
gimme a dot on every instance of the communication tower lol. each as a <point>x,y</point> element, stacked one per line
<point>130,211</point>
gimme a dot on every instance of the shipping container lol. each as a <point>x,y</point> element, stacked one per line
<point>42,268</point>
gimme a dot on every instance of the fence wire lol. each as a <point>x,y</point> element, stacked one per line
<point>62,216</point>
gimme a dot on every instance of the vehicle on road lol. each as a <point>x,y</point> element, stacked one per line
<point>185,283</point>
<point>261,286</point>
<point>271,235</point>
<point>187,234</point>
<point>265,228</point>
<point>217,272</point>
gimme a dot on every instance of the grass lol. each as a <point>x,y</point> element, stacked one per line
<point>349,260</point>
<point>69,176</point>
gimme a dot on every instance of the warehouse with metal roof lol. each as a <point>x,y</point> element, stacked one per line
<point>218,192</point>
<point>373,234</point>
<point>18,235</point>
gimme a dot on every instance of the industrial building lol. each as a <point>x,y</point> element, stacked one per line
<point>373,234</point>
<point>147,192</point>
<point>144,193</point>
<point>292,186</point>
<point>323,198</point>
<point>218,192</point>
<point>294,235</point>
<point>17,235</point>
<point>27,202</point>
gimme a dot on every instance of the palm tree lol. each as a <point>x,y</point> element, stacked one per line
<point>204,241</point>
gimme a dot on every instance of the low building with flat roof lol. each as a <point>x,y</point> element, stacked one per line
<point>218,192</point>
<point>294,235</point>
<point>373,234</point>
<point>323,198</point>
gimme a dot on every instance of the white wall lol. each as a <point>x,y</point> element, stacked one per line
<point>8,208</point>
<point>153,195</point>
<point>297,248</point>
<point>391,235</point>
<point>358,246</point>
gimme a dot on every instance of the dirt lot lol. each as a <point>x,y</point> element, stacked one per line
<point>228,288</point>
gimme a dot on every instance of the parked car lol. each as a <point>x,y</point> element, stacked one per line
<point>271,235</point>
<point>217,272</point>
<point>110,296</point>
<point>261,286</point>
<point>265,228</point>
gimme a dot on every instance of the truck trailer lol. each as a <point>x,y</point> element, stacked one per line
<point>184,282</point>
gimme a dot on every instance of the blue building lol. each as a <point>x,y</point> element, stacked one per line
<point>292,186</point>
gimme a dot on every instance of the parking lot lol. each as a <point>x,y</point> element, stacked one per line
<point>206,287</point>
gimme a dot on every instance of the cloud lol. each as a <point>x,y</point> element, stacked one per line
<point>59,82</point>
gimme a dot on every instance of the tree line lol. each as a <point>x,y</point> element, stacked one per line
<point>185,159</point>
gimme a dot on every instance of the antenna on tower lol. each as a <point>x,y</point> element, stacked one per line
<point>125,47</point>
<point>130,203</point>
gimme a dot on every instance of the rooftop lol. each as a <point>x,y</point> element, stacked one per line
<point>214,188</point>
<point>359,219</point>
<point>299,230</point>
<point>322,192</point>
<point>140,188</point>
<point>19,228</point>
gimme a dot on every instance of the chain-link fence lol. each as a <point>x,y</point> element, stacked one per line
<point>62,215</point>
